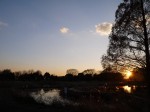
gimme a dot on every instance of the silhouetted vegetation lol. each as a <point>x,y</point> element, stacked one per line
<point>7,75</point>
<point>129,40</point>
<point>106,75</point>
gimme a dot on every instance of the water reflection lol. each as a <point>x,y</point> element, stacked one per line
<point>127,89</point>
<point>80,95</point>
<point>49,97</point>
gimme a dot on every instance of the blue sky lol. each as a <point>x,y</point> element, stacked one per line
<point>54,35</point>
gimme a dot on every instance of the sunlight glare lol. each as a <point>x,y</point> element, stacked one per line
<point>127,89</point>
<point>128,74</point>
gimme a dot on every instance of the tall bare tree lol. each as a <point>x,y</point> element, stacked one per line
<point>129,41</point>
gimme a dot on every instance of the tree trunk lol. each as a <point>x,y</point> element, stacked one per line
<point>146,43</point>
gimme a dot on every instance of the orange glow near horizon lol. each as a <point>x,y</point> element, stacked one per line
<point>128,74</point>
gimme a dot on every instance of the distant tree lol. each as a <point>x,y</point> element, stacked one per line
<point>46,76</point>
<point>88,77</point>
<point>89,71</point>
<point>30,75</point>
<point>54,77</point>
<point>17,75</point>
<point>111,76</point>
<point>37,75</point>
<point>7,75</point>
<point>81,76</point>
<point>72,71</point>
<point>97,77</point>
<point>69,77</point>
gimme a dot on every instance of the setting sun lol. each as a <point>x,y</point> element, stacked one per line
<point>128,74</point>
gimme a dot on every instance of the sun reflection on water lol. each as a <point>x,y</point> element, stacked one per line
<point>127,89</point>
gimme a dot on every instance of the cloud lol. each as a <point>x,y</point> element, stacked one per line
<point>3,24</point>
<point>103,29</point>
<point>64,30</point>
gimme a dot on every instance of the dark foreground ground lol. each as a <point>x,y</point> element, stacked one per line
<point>87,97</point>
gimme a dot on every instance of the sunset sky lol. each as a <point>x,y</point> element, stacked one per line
<point>54,35</point>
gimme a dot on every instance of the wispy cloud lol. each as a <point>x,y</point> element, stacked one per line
<point>3,24</point>
<point>103,29</point>
<point>64,30</point>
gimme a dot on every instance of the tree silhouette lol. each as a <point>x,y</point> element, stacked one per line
<point>130,38</point>
<point>46,76</point>
<point>7,75</point>
<point>89,71</point>
<point>72,71</point>
<point>36,76</point>
<point>69,77</point>
<point>111,76</point>
<point>81,76</point>
<point>129,41</point>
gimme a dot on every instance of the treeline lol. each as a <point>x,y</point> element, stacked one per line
<point>8,75</point>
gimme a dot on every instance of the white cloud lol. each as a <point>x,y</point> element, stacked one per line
<point>64,30</point>
<point>3,24</point>
<point>103,29</point>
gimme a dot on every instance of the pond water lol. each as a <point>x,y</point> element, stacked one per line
<point>71,96</point>
<point>49,97</point>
